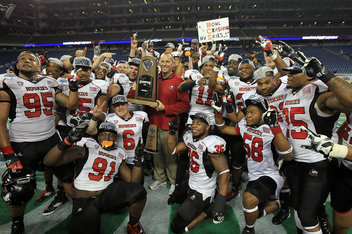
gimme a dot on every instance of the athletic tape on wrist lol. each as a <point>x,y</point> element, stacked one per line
<point>287,151</point>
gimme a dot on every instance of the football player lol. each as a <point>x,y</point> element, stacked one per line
<point>95,190</point>
<point>131,126</point>
<point>259,131</point>
<point>28,101</point>
<point>207,162</point>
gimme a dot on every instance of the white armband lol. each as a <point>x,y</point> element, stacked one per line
<point>225,171</point>
<point>250,210</point>
<point>338,151</point>
<point>220,125</point>
<point>287,151</point>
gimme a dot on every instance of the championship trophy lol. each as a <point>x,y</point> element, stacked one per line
<point>146,94</point>
<point>147,82</point>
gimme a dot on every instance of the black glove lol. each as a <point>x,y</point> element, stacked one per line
<point>173,126</point>
<point>314,68</point>
<point>13,162</point>
<point>228,103</point>
<point>284,49</point>
<point>219,209</point>
<point>139,154</point>
<point>74,135</point>
<point>185,55</point>
<point>216,102</point>
<point>81,120</point>
<point>270,117</point>
<point>73,83</point>
<point>111,73</point>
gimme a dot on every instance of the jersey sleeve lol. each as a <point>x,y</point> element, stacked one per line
<point>122,154</point>
<point>110,118</point>
<point>3,78</point>
<point>215,144</point>
<point>52,82</point>
<point>187,136</point>
<point>143,114</point>
<point>102,84</point>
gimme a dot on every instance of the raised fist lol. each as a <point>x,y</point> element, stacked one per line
<point>173,126</point>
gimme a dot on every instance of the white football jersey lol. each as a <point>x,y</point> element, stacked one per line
<point>238,88</point>
<point>128,131</point>
<point>300,110</point>
<point>276,100</point>
<point>347,138</point>
<point>32,107</point>
<point>260,161</point>
<point>87,97</point>
<point>100,168</point>
<point>200,102</point>
<point>198,179</point>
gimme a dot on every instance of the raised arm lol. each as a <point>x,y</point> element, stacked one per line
<point>341,88</point>
<point>64,152</point>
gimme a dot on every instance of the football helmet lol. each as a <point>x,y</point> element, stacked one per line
<point>18,188</point>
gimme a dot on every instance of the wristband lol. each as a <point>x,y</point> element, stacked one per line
<point>7,150</point>
<point>338,151</point>
<point>276,130</point>
<point>95,118</point>
<point>325,75</point>
<point>63,145</point>
<point>220,125</point>
<point>287,151</point>
<point>219,115</point>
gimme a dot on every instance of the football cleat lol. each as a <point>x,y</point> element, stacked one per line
<point>44,195</point>
<point>283,214</point>
<point>17,227</point>
<point>56,203</point>
<point>135,229</point>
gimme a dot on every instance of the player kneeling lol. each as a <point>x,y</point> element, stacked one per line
<point>207,161</point>
<point>260,130</point>
<point>95,190</point>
